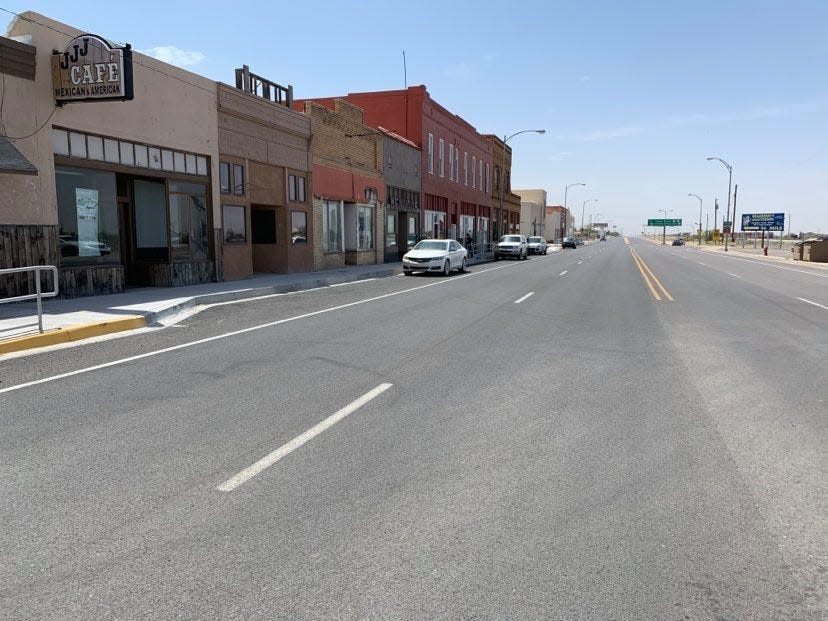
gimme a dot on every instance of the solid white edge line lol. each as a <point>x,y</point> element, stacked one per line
<point>225,335</point>
<point>525,297</point>
<point>814,303</point>
<point>265,462</point>
<point>734,275</point>
<point>562,273</point>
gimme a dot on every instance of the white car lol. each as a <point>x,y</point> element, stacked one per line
<point>512,246</point>
<point>435,255</point>
<point>537,245</point>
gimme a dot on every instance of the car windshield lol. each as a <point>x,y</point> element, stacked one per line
<point>510,238</point>
<point>431,244</point>
<point>535,240</point>
<point>568,239</point>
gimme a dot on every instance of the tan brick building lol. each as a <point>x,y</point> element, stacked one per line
<point>264,185</point>
<point>348,187</point>
<point>506,220</point>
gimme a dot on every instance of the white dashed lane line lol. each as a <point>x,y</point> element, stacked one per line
<point>813,303</point>
<point>525,297</point>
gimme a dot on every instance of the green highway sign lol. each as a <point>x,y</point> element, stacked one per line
<point>663,222</point>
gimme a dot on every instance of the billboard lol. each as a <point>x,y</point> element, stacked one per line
<point>763,222</point>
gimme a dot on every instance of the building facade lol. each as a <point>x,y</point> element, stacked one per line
<point>265,182</point>
<point>532,212</point>
<point>506,204</point>
<point>456,161</point>
<point>401,172</point>
<point>348,187</point>
<point>125,188</point>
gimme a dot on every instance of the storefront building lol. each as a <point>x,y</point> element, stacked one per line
<point>348,188</point>
<point>506,206</point>
<point>401,174</point>
<point>126,177</point>
<point>456,161</point>
<point>264,181</point>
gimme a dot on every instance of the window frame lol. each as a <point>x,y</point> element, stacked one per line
<point>465,168</point>
<point>293,241</point>
<point>239,189</point>
<point>237,242</point>
<point>474,171</point>
<point>430,153</point>
<point>451,162</point>
<point>441,157</point>
<point>225,184</point>
<point>297,188</point>
<point>326,219</point>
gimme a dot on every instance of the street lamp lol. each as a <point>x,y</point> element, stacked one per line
<point>582,212</point>
<point>664,226</point>
<point>506,139</point>
<point>566,191</point>
<point>700,213</point>
<point>729,186</point>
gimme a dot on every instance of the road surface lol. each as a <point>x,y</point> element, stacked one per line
<point>617,431</point>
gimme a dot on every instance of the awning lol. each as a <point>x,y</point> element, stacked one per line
<point>12,161</point>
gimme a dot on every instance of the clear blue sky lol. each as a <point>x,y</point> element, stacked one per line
<point>633,95</point>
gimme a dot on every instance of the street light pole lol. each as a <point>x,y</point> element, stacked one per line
<point>700,214</point>
<point>501,176</point>
<point>566,192</point>
<point>729,187</point>
<point>582,212</point>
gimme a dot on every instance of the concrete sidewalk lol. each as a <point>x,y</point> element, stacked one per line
<point>74,319</point>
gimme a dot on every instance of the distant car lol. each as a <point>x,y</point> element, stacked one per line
<point>537,245</point>
<point>514,246</point>
<point>569,242</point>
<point>435,255</point>
<point>678,242</point>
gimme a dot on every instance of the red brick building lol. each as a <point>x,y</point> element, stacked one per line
<point>457,161</point>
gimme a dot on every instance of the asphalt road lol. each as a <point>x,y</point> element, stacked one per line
<point>586,452</point>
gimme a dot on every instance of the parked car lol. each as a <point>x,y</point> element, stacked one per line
<point>678,242</point>
<point>569,242</point>
<point>537,245</point>
<point>514,246</point>
<point>435,255</point>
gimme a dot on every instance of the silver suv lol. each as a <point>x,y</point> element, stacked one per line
<point>537,245</point>
<point>513,246</point>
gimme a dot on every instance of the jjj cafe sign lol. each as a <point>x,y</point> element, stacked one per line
<point>90,69</point>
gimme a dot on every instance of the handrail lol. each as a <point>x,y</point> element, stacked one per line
<point>38,295</point>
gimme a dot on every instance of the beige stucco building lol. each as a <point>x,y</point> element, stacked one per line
<point>532,212</point>
<point>125,190</point>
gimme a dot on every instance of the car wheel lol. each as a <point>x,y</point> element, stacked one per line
<point>447,268</point>
<point>408,273</point>
<point>463,266</point>
<point>544,251</point>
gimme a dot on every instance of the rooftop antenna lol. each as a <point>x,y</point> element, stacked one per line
<point>405,72</point>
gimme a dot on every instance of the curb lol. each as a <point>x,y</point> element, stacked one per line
<point>153,318</point>
<point>72,333</point>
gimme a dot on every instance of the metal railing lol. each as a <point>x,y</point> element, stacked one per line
<point>39,294</point>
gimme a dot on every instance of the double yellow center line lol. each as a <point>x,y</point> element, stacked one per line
<point>649,277</point>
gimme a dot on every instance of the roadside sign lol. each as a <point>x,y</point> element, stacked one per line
<point>726,226</point>
<point>663,222</point>
<point>763,222</point>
